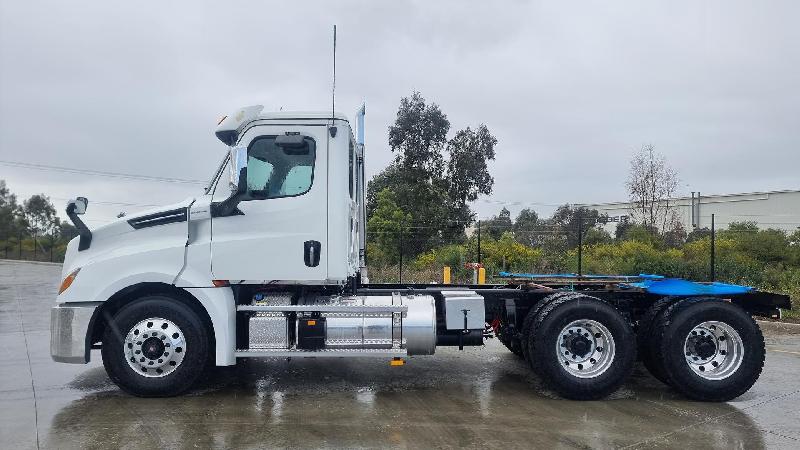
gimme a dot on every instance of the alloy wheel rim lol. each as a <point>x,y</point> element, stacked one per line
<point>154,347</point>
<point>713,350</point>
<point>585,348</point>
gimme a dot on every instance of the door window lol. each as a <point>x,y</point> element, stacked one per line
<point>274,171</point>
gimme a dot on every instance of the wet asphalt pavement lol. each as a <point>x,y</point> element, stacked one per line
<point>482,397</point>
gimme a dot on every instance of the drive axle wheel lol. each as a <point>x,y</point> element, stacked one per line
<point>587,348</point>
<point>581,347</point>
<point>711,350</point>
<point>156,346</point>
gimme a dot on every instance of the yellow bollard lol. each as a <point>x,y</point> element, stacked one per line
<point>446,275</point>
<point>481,275</point>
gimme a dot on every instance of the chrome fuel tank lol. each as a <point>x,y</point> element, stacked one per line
<point>412,326</point>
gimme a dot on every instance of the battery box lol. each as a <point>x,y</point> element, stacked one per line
<point>310,333</point>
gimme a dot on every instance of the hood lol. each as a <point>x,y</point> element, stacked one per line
<point>105,236</point>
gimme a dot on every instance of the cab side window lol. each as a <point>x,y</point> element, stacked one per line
<point>275,171</point>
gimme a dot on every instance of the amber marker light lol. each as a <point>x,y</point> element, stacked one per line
<point>68,280</point>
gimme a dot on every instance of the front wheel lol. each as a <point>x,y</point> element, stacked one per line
<point>155,347</point>
<point>582,347</point>
<point>711,350</point>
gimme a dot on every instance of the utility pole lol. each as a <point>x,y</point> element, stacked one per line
<point>713,251</point>
<point>580,244</point>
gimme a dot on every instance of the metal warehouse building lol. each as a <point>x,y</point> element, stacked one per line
<point>774,209</point>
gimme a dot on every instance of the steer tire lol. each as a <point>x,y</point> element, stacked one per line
<point>546,335</point>
<point>674,330</point>
<point>187,347</point>
<point>648,350</point>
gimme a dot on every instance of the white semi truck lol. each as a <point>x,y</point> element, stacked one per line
<point>269,262</point>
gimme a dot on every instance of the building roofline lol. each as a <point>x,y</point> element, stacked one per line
<point>781,191</point>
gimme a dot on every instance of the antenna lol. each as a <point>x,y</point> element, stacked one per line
<point>333,89</point>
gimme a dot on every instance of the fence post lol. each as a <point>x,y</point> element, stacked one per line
<point>713,250</point>
<point>580,244</point>
<point>401,252</point>
<point>19,241</point>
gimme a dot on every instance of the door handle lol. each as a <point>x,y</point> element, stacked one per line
<point>311,253</point>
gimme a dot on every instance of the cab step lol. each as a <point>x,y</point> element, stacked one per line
<point>323,353</point>
<point>325,308</point>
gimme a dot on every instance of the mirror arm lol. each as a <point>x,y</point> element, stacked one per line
<point>228,207</point>
<point>83,230</point>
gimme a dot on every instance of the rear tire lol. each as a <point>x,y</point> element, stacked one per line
<point>527,324</point>
<point>157,346</point>
<point>711,350</point>
<point>581,347</point>
<point>647,346</point>
<point>513,345</point>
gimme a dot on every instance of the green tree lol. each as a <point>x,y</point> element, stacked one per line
<point>497,225</point>
<point>388,226</point>
<point>467,170</point>
<point>595,236</point>
<point>418,136</point>
<point>766,246</point>
<point>525,227</point>
<point>434,191</point>
<point>39,217</point>
<point>698,234</point>
<point>643,233</point>
<point>9,212</point>
<point>566,220</point>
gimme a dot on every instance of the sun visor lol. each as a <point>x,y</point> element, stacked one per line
<point>228,128</point>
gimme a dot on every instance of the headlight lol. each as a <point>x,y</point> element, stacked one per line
<point>68,281</point>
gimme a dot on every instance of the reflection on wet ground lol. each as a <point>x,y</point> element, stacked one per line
<point>477,398</point>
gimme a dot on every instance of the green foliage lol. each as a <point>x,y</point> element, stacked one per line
<point>434,191</point>
<point>525,227</point>
<point>497,225</point>
<point>388,225</point>
<point>418,135</point>
<point>642,233</point>
<point>467,170</point>
<point>566,220</point>
<point>31,230</point>
<point>765,258</point>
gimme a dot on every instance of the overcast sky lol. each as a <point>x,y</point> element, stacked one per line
<point>570,89</point>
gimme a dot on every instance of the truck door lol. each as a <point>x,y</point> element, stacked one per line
<point>279,231</point>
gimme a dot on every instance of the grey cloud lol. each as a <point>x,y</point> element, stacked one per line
<point>569,90</point>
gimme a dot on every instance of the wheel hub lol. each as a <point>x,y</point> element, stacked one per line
<point>714,350</point>
<point>705,347</point>
<point>154,347</point>
<point>578,344</point>
<point>586,348</point>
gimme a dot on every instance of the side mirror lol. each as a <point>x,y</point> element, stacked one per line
<point>74,208</point>
<point>238,162</point>
<point>228,207</point>
<point>78,206</point>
